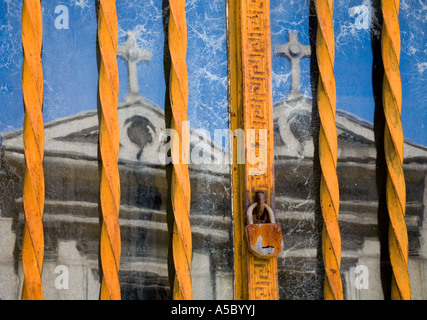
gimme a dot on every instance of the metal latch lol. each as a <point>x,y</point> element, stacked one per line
<point>264,238</point>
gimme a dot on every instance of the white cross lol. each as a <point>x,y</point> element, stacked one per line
<point>133,55</point>
<point>294,51</point>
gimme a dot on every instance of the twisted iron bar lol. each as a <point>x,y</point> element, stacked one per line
<point>110,242</point>
<point>33,136</point>
<point>393,148</point>
<point>328,145</point>
<point>180,181</point>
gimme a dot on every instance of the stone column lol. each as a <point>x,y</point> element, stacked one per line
<point>9,281</point>
<point>201,277</point>
<point>66,278</point>
<point>364,279</point>
<point>417,266</point>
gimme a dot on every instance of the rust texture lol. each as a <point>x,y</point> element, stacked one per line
<point>393,147</point>
<point>264,239</point>
<point>328,145</point>
<point>110,242</point>
<point>33,135</point>
<point>180,181</point>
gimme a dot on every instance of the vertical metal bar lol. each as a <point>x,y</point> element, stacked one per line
<point>238,169</point>
<point>180,181</point>
<point>251,110</point>
<point>110,246</point>
<point>393,148</point>
<point>328,146</point>
<point>33,135</point>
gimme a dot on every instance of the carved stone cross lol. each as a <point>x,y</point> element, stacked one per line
<point>294,51</point>
<point>133,55</point>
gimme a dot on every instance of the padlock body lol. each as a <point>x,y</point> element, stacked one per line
<point>264,240</point>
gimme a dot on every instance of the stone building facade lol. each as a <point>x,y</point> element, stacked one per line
<point>72,217</point>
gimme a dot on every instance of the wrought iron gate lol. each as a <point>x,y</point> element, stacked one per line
<point>260,235</point>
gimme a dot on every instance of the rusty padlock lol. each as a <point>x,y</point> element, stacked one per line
<point>264,239</point>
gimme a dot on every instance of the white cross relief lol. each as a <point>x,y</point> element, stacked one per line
<point>294,51</point>
<point>133,55</point>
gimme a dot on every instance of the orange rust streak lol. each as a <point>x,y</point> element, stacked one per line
<point>110,242</point>
<point>33,136</point>
<point>329,190</point>
<point>180,182</point>
<point>393,147</point>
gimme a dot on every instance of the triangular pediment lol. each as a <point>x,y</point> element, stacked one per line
<point>142,138</point>
<point>293,129</point>
<point>142,124</point>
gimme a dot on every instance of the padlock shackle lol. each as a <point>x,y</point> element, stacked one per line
<point>249,217</point>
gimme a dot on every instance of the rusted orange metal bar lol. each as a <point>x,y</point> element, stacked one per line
<point>238,170</point>
<point>180,181</point>
<point>33,135</point>
<point>251,109</point>
<point>393,147</point>
<point>328,145</point>
<point>110,246</point>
